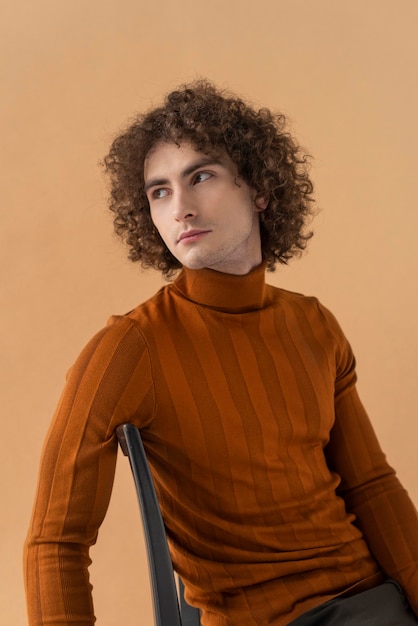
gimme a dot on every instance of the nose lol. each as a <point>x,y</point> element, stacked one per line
<point>182,205</point>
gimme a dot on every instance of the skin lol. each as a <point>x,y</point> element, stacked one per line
<point>206,215</point>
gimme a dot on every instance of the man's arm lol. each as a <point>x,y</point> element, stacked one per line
<point>109,384</point>
<point>384,512</point>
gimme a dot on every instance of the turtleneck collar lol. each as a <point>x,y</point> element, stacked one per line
<point>225,292</point>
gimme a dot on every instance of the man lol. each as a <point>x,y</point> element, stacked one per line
<point>279,504</point>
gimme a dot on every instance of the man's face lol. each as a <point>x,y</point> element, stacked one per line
<point>206,216</point>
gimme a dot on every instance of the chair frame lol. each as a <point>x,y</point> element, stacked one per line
<point>165,598</point>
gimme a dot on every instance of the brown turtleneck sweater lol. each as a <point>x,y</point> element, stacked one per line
<point>267,467</point>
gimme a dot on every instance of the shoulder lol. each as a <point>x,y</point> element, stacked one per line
<point>117,347</point>
<point>125,334</point>
<point>119,330</point>
<point>309,312</point>
<point>300,303</point>
<point>156,309</point>
<point>314,320</point>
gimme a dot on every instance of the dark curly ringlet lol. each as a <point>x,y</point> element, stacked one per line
<point>266,156</point>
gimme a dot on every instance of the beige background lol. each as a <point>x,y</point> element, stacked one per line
<point>71,73</point>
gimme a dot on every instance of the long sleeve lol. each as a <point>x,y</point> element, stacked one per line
<point>109,384</point>
<point>238,388</point>
<point>370,488</point>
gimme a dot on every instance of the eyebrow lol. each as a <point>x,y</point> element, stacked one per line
<point>156,182</point>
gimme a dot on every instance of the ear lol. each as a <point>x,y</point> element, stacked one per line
<point>261,202</point>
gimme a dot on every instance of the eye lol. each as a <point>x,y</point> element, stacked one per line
<point>157,194</point>
<point>200,177</point>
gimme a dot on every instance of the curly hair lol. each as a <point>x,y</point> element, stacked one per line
<point>267,158</point>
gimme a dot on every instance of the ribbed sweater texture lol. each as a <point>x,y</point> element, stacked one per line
<point>274,489</point>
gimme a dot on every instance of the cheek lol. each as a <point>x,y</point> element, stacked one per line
<point>156,220</point>
<point>152,216</point>
<point>159,226</point>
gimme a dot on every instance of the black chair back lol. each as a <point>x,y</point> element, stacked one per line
<point>166,605</point>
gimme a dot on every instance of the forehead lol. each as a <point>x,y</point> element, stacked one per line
<point>167,159</point>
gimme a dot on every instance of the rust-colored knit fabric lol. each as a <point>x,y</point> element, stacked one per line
<point>245,396</point>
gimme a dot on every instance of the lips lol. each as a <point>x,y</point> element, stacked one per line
<point>192,235</point>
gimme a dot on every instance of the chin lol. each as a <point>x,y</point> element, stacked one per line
<point>194,266</point>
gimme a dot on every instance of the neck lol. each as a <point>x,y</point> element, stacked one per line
<point>239,268</point>
<point>231,293</point>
